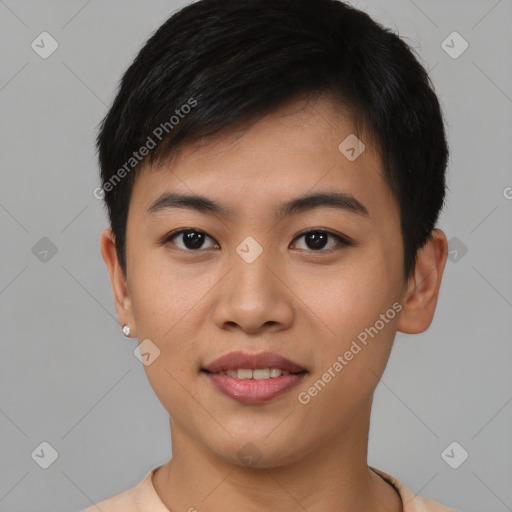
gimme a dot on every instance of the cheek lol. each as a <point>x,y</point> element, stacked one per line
<point>353,306</point>
<point>162,306</point>
<point>348,298</point>
<point>164,295</point>
<point>352,357</point>
<point>165,305</point>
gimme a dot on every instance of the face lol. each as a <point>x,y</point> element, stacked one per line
<point>319,283</point>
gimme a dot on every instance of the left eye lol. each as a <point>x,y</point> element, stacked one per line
<point>315,240</point>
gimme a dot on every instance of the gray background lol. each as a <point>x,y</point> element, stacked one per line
<point>68,375</point>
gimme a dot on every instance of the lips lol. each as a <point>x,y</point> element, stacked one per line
<point>253,378</point>
<point>244,360</point>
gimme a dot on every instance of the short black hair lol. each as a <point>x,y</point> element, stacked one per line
<point>216,64</point>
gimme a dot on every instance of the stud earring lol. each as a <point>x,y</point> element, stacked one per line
<point>126,331</point>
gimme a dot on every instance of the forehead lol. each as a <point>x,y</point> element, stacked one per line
<point>301,147</point>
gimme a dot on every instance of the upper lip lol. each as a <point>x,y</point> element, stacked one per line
<point>236,360</point>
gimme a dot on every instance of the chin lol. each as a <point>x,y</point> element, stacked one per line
<point>259,452</point>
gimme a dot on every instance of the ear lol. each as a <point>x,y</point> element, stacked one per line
<point>117,280</point>
<point>420,297</point>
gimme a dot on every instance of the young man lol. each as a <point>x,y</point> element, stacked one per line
<point>273,172</point>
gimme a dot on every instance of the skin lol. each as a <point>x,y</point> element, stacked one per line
<point>298,301</point>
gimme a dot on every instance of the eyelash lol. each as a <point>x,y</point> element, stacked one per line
<point>341,240</point>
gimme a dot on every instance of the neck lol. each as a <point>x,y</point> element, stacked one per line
<point>331,477</point>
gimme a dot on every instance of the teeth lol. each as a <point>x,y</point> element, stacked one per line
<point>261,374</point>
<point>256,374</point>
<point>244,374</point>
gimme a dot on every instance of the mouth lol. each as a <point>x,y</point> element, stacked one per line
<point>253,378</point>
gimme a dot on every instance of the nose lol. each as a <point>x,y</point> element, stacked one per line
<point>254,297</point>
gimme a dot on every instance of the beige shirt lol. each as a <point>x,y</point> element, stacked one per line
<point>143,498</point>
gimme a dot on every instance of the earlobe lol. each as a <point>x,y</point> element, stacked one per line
<point>420,298</point>
<point>117,279</point>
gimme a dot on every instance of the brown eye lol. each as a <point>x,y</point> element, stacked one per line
<point>319,240</point>
<point>190,239</point>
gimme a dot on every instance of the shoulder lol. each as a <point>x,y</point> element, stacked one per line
<point>124,502</point>
<point>412,502</point>
<point>141,498</point>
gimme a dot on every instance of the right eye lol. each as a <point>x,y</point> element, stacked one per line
<point>192,239</point>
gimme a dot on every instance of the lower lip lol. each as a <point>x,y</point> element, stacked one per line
<point>252,391</point>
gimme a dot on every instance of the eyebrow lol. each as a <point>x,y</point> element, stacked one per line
<point>338,200</point>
